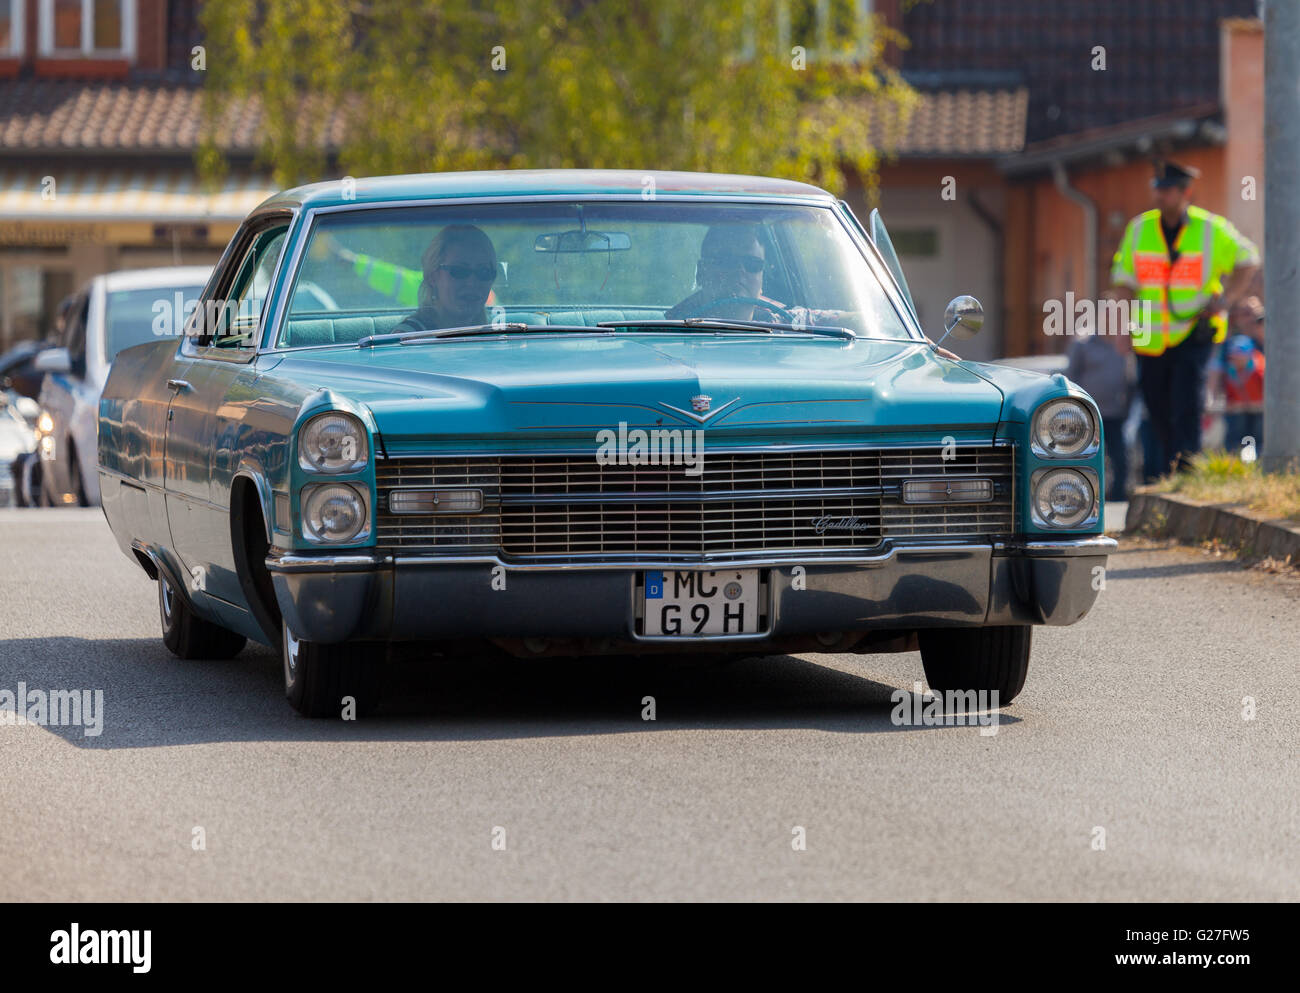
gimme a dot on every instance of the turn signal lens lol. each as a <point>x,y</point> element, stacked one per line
<point>949,490</point>
<point>435,501</point>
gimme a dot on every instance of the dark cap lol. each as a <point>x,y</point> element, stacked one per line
<point>1172,174</point>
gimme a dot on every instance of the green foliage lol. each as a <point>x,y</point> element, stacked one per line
<point>434,85</point>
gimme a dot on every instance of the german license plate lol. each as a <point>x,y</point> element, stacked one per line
<point>688,604</point>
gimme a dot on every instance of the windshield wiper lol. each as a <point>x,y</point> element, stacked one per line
<point>720,324</point>
<point>402,337</point>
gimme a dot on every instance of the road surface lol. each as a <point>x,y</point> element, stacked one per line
<point>541,780</point>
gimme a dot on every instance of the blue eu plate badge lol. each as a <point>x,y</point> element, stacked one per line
<point>654,585</point>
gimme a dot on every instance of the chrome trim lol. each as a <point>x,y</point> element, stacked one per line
<point>703,418</point>
<point>728,496</point>
<point>1058,547</point>
<point>856,446</point>
<point>298,562</point>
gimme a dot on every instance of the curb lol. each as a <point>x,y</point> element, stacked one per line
<point>1166,515</point>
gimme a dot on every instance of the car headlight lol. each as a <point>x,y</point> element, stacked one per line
<point>334,513</point>
<point>1064,429</point>
<point>44,424</point>
<point>333,442</point>
<point>1063,498</point>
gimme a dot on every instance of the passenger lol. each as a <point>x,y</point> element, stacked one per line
<point>460,266</point>
<point>730,278</point>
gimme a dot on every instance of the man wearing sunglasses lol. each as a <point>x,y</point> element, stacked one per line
<point>729,275</point>
<point>460,266</point>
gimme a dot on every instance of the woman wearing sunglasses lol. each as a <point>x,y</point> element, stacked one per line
<point>460,266</point>
<point>729,275</point>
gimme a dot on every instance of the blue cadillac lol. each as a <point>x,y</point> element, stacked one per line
<point>569,413</point>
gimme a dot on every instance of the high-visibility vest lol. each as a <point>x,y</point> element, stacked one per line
<point>1171,296</point>
<point>392,280</point>
<point>398,282</point>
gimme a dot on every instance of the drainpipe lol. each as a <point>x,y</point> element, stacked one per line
<point>995,228</point>
<point>1089,228</point>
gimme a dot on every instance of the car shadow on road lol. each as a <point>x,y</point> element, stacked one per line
<point>151,699</point>
<point>1116,568</point>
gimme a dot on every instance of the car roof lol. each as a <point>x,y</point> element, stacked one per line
<point>539,182</point>
<point>159,278</point>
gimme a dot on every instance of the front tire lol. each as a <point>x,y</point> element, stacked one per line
<point>188,636</point>
<point>318,677</point>
<point>987,659</point>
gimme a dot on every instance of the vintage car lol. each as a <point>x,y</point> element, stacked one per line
<point>574,412</point>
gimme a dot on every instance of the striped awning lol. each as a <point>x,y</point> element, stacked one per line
<point>127,195</point>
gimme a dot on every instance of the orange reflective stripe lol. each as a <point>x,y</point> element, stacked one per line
<point>1150,267</point>
<point>1186,272</point>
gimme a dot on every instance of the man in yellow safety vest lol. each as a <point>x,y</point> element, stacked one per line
<point>1173,262</point>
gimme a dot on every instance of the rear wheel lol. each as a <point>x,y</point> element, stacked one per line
<point>318,679</point>
<point>189,636</point>
<point>988,659</point>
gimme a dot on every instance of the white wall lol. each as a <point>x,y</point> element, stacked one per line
<point>966,262</point>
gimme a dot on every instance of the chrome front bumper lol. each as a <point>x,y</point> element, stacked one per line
<point>364,596</point>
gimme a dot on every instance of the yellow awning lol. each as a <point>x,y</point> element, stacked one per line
<point>127,194</point>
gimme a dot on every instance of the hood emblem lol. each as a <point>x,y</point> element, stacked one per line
<point>704,409</point>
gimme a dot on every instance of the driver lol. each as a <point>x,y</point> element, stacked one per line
<point>460,266</point>
<point>730,278</point>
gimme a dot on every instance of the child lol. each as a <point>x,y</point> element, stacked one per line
<point>1242,376</point>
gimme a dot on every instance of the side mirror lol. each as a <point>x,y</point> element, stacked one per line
<point>963,318</point>
<point>52,360</point>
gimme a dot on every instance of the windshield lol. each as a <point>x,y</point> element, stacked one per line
<point>132,317</point>
<point>375,271</point>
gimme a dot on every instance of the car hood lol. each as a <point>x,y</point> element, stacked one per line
<point>571,386</point>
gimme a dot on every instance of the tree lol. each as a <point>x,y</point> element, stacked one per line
<point>787,88</point>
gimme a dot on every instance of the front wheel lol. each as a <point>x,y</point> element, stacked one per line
<point>988,659</point>
<point>319,680</point>
<point>189,636</point>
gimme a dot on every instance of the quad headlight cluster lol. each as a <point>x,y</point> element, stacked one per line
<point>1068,496</point>
<point>334,512</point>
<point>1064,429</point>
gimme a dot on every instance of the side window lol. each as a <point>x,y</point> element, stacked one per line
<point>74,334</point>
<point>239,320</point>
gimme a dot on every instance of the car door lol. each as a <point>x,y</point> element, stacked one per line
<point>211,393</point>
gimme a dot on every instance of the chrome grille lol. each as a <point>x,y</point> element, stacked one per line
<point>745,502</point>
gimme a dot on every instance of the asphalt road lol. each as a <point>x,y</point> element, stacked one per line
<point>1131,721</point>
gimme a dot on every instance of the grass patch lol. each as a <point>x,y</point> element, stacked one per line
<point>1221,477</point>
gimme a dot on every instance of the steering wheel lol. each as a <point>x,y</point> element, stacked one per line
<point>772,308</point>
